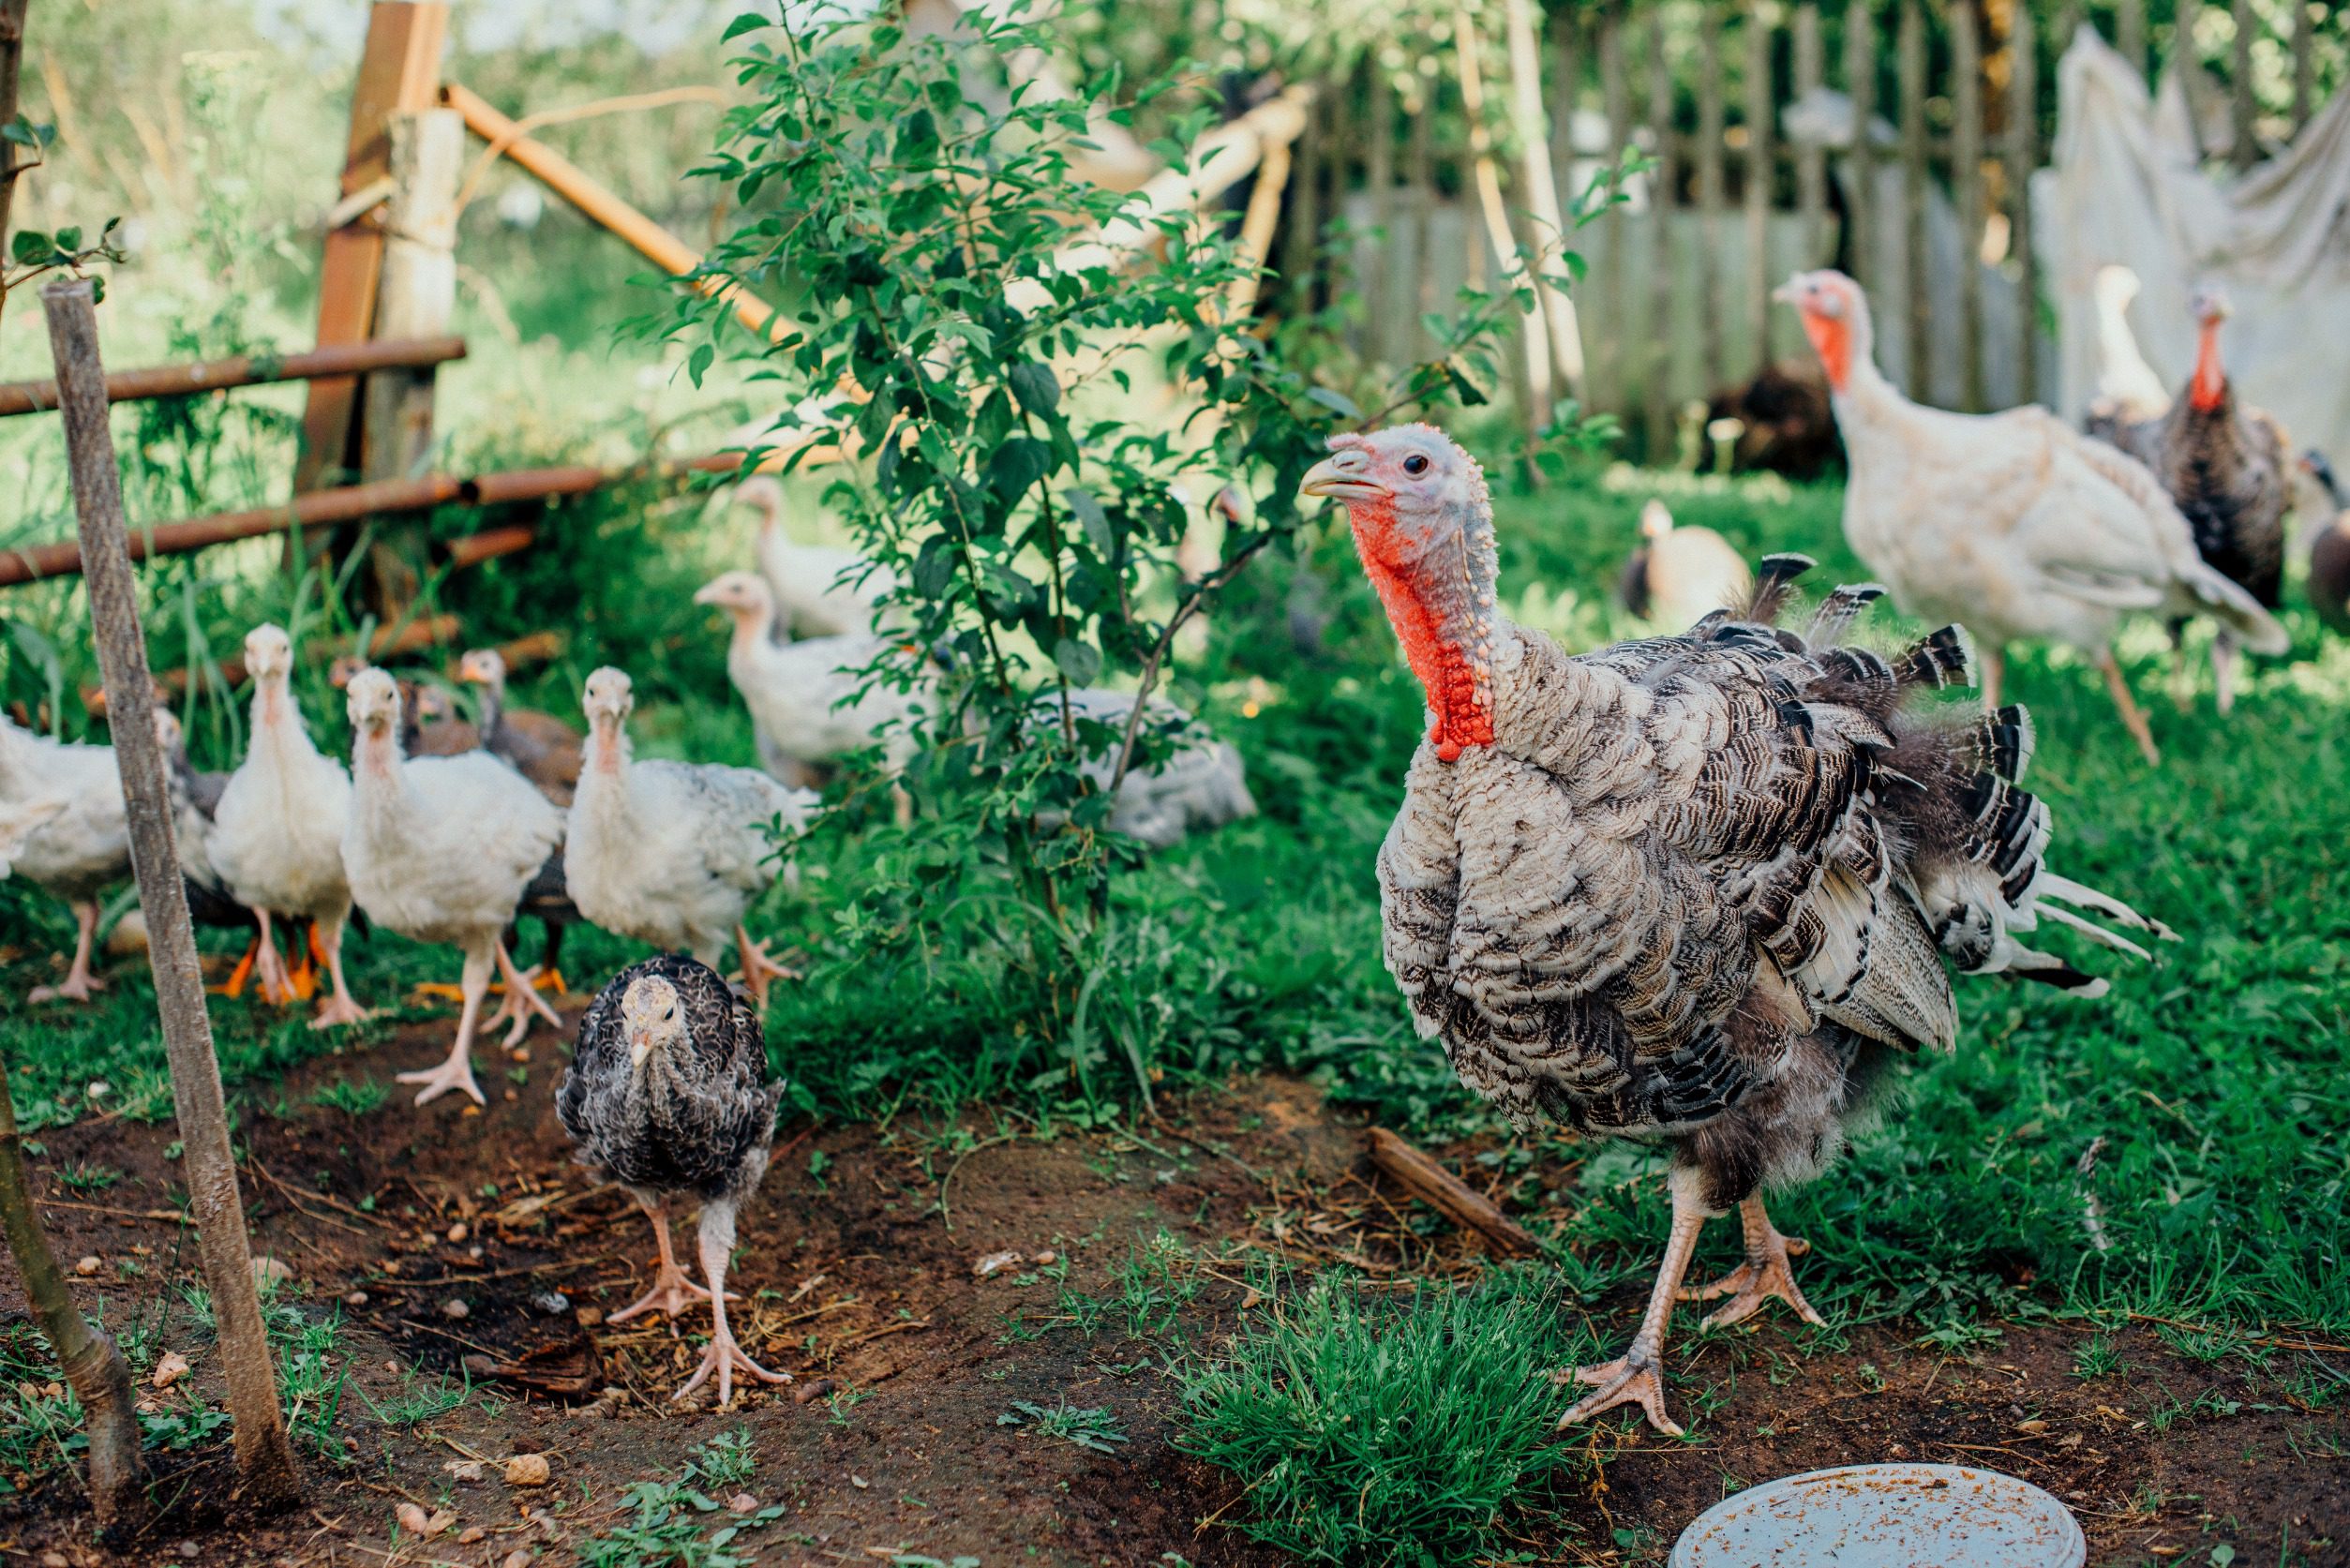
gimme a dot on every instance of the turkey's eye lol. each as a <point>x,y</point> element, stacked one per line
<point>1416,465</point>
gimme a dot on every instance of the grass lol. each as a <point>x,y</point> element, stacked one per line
<point>1385,1431</point>
<point>1095,1430</point>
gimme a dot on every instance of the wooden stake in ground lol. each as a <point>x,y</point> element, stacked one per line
<point>264,1456</point>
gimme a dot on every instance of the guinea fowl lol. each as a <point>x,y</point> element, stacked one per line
<point>2127,390</point>
<point>819,590</point>
<point>1678,574</point>
<point>672,853</point>
<point>804,695</point>
<point>541,747</point>
<point>667,1094</point>
<point>2224,466</point>
<point>2013,523</point>
<point>276,837</point>
<point>2328,536</point>
<point>1690,889</point>
<point>440,849</point>
<point>76,852</point>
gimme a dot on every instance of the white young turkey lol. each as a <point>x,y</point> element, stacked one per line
<point>277,839</point>
<point>1695,890</point>
<point>440,849</point>
<point>802,694</point>
<point>1199,784</point>
<point>672,853</point>
<point>195,796</point>
<point>1679,573</point>
<point>2015,524</point>
<point>541,747</point>
<point>76,852</point>
<point>667,1094</point>
<point>821,590</point>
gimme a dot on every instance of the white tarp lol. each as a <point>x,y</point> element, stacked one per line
<point>2130,187</point>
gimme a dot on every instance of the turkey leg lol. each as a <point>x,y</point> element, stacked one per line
<point>1764,1275</point>
<point>1993,657</point>
<point>79,982</point>
<point>520,1001</point>
<point>457,1072</point>
<point>269,965</point>
<point>723,1357</point>
<point>757,968</point>
<point>340,1009</point>
<point>671,1290</point>
<point>2224,653</point>
<point>1636,1377</point>
<point>2133,720</point>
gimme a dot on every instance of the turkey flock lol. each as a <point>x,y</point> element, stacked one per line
<point>1702,890</point>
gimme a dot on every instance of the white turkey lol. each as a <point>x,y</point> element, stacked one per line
<point>2127,390</point>
<point>76,852</point>
<point>195,796</point>
<point>440,849</point>
<point>802,696</point>
<point>821,590</point>
<point>672,853</point>
<point>667,1094</point>
<point>276,837</point>
<point>2015,524</point>
<point>1695,890</point>
<point>1679,573</point>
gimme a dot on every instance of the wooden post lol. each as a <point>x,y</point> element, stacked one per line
<point>1616,91</point>
<point>1665,185</point>
<point>1379,171</point>
<point>1302,234</point>
<point>1542,190</point>
<point>1860,83</point>
<point>2304,67</point>
<point>264,1456</point>
<point>2241,108</point>
<point>1966,91</point>
<point>1566,78</point>
<point>2130,31</point>
<point>1811,160</point>
<point>93,1365</point>
<point>1920,322</point>
<point>1422,177</point>
<point>1710,196</point>
<point>417,296</point>
<point>2022,157</point>
<point>1761,166</point>
<point>399,71</point>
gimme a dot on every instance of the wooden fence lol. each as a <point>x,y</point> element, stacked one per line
<point>1755,178</point>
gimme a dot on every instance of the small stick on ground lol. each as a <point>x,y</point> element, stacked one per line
<point>1411,1168</point>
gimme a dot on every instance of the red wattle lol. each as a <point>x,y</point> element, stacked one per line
<point>1834,340</point>
<point>1443,669</point>
<point>2210,387</point>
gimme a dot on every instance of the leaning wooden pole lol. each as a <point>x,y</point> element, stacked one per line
<point>264,1455</point>
<point>1542,185</point>
<point>1532,332</point>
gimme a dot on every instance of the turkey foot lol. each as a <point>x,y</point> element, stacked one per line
<point>2132,718</point>
<point>455,1073</point>
<point>340,1009</point>
<point>672,1291</point>
<point>269,965</point>
<point>1632,1379</point>
<point>757,968</point>
<point>723,1357</point>
<point>520,1001</point>
<point>78,982</point>
<point>235,986</point>
<point>1764,1275</point>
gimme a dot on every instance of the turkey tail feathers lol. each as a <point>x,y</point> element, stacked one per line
<point>1839,610</point>
<point>2224,599</point>
<point>1775,576</point>
<point>1943,658</point>
<point>2003,742</point>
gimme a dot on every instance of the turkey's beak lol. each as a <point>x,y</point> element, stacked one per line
<point>1790,292</point>
<point>708,594</point>
<point>639,1048</point>
<point>1342,476</point>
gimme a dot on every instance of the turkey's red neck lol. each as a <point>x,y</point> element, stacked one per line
<point>1833,339</point>
<point>2208,390</point>
<point>1442,627</point>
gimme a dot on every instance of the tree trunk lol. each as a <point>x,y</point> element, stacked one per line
<point>1542,186</point>
<point>264,1456</point>
<point>1535,389</point>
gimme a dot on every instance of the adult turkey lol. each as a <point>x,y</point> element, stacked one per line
<point>2226,468</point>
<point>1695,889</point>
<point>667,1094</point>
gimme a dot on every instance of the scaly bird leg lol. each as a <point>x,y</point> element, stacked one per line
<point>1993,657</point>
<point>340,1009</point>
<point>521,1000</point>
<point>79,982</point>
<point>671,1290</point>
<point>723,1357</point>
<point>457,1072</point>
<point>302,979</point>
<point>270,964</point>
<point>757,968</point>
<point>2132,719</point>
<point>1636,1377</point>
<point>2225,651</point>
<point>1764,1275</point>
<point>243,972</point>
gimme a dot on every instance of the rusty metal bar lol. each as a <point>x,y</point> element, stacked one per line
<point>213,375</point>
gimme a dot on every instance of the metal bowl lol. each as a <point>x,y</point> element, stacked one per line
<point>1886,1516</point>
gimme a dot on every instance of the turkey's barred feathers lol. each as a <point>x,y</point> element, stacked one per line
<point>1860,666</point>
<point>1774,576</point>
<point>1839,610</point>
<point>1942,658</point>
<point>2003,742</point>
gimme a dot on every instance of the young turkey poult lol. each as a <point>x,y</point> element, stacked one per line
<point>1678,574</point>
<point>541,747</point>
<point>1689,890</point>
<point>672,853</point>
<point>802,696</point>
<point>440,849</point>
<point>277,838</point>
<point>2015,524</point>
<point>76,851</point>
<point>668,1093</point>
<point>819,590</point>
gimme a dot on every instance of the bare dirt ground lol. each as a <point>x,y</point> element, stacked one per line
<point>453,1226</point>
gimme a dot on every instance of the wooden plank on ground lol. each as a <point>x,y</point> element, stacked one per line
<point>1411,1168</point>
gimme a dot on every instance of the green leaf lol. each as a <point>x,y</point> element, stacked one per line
<point>31,246</point>
<point>748,21</point>
<point>1018,464</point>
<point>69,241</point>
<point>1079,662</point>
<point>1094,520</point>
<point>1337,402</point>
<point>698,364</point>
<point>1036,386</point>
